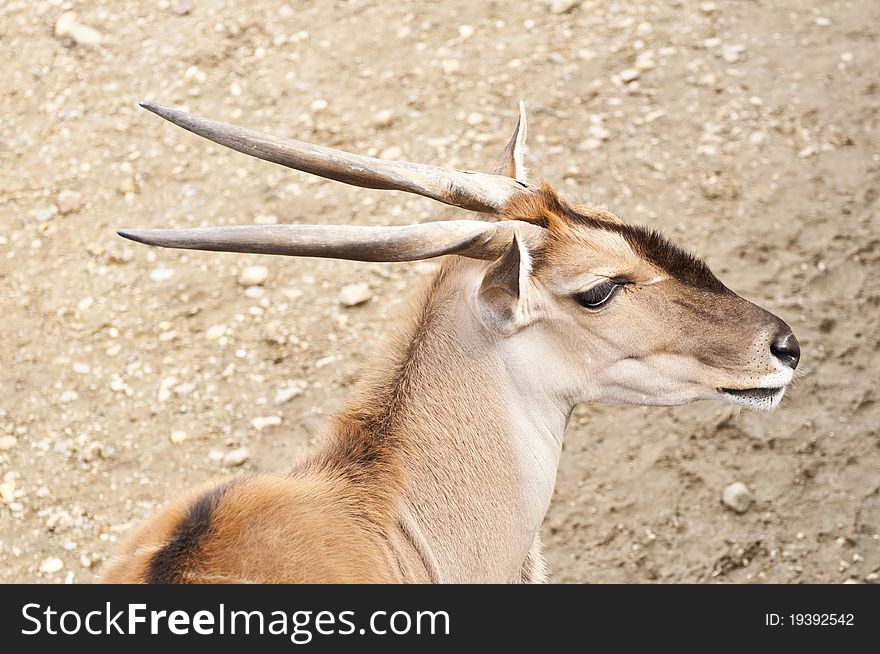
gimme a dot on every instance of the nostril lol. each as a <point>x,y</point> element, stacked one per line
<point>786,348</point>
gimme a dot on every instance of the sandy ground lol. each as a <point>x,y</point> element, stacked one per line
<point>747,131</point>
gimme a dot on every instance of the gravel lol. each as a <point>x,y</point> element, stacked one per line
<point>737,496</point>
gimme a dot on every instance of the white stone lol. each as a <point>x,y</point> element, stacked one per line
<point>262,422</point>
<point>161,274</point>
<point>600,132</point>
<point>215,332</point>
<point>178,436</point>
<point>253,276</point>
<point>165,387</point>
<point>645,61</point>
<point>383,118</point>
<point>68,25</point>
<point>68,201</point>
<point>585,54</point>
<point>69,396</point>
<point>8,442</point>
<point>7,491</point>
<point>629,75</point>
<point>236,457</point>
<point>450,66</point>
<point>51,565</point>
<point>325,361</point>
<point>737,496</point>
<point>354,294</point>
<point>708,7</point>
<point>733,53</point>
<point>563,6</point>
<point>292,390</point>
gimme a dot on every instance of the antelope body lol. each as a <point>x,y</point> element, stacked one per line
<point>442,466</point>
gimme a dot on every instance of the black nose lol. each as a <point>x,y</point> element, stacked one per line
<point>786,348</point>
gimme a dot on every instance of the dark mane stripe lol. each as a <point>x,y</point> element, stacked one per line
<point>546,206</point>
<point>170,564</point>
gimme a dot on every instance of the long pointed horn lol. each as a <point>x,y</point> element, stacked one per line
<point>473,191</point>
<point>468,238</point>
<point>511,162</point>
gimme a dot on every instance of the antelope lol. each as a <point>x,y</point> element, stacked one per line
<point>442,466</point>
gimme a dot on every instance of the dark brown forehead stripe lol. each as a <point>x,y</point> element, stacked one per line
<point>547,209</point>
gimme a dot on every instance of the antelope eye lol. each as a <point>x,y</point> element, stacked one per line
<point>599,295</point>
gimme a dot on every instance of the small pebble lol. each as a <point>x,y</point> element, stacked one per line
<point>289,392</point>
<point>450,66</point>
<point>182,7</point>
<point>165,386</point>
<point>262,422</point>
<point>325,361</point>
<point>585,54</point>
<point>600,132</point>
<point>563,6</point>
<point>253,276</point>
<point>629,74</point>
<point>708,7</point>
<point>69,396</point>
<point>161,274</point>
<point>645,61</point>
<point>7,491</point>
<point>42,215</point>
<point>68,201</point>
<point>51,565</point>
<point>178,436</point>
<point>384,118</point>
<point>215,332</point>
<point>8,442</point>
<point>737,496</point>
<point>68,26</point>
<point>236,457</point>
<point>354,294</point>
<point>733,53</point>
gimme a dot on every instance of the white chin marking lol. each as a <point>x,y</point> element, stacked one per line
<point>758,399</point>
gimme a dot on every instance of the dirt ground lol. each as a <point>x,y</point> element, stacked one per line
<point>747,131</point>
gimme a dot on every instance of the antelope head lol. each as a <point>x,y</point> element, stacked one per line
<point>596,309</point>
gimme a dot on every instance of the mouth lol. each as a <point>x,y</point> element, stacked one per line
<point>754,398</point>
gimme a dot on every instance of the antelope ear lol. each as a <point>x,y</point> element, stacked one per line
<point>510,163</point>
<point>500,298</point>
